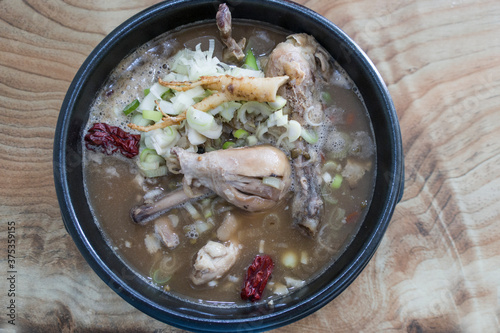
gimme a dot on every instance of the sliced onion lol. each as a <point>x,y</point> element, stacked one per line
<point>252,140</point>
<point>226,110</point>
<point>161,140</point>
<point>252,107</point>
<point>168,108</point>
<point>140,121</point>
<point>277,119</point>
<point>204,123</point>
<point>158,172</point>
<point>293,130</point>
<point>261,130</point>
<point>184,99</point>
<point>279,103</point>
<point>157,90</point>
<point>194,137</point>
<point>148,103</point>
<point>309,135</point>
<point>312,122</point>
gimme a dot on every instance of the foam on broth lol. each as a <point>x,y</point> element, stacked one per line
<point>112,184</point>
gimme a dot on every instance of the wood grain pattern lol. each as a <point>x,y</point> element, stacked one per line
<point>437,269</point>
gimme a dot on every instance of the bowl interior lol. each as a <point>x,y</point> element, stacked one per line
<point>77,215</point>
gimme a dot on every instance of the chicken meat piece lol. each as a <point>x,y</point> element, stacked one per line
<point>228,227</point>
<point>233,50</point>
<point>238,174</point>
<point>148,211</point>
<point>165,230</point>
<point>213,261</point>
<point>306,63</point>
<point>354,170</point>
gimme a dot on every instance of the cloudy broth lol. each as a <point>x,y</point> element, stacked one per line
<point>114,186</point>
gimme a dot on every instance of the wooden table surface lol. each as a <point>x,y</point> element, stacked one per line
<point>436,270</point>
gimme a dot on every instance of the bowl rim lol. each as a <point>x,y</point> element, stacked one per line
<point>267,321</point>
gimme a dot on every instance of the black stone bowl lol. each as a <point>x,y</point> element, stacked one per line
<point>181,313</point>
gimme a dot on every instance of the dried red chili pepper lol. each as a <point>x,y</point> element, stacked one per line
<point>111,139</point>
<point>257,276</point>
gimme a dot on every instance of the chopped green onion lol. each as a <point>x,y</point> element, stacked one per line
<point>161,140</point>
<point>250,60</point>
<point>147,103</point>
<point>204,123</point>
<point>145,166</point>
<point>152,115</point>
<point>326,97</point>
<point>194,137</point>
<point>331,167</point>
<point>281,120</point>
<point>337,181</point>
<point>310,136</point>
<point>226,110</point>
<point>139,120</point>
<point>252,140</point>
<point>162,170</point>
<point>327,194</point>
<point>240,134</point>
<point>159,279</point>
<point>192,210</point>
<point>131,107</point>
<point>167,107</point>
<point>198,119</point>
<point>253,107</point>
<point>228,144</point>
<point>146,92</point>
<point>272,181</point>
<point>293,130</point>
<point>207,93</point>
<point>207,213</point>
<point>145,153</point>
<point>167,95</point>
<point>327,177</point>
<point>153,158</point>
<point>202,227</point>
<point>158,90</point>
<point>279,103</point>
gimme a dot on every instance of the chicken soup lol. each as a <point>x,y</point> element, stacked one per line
<point>229,162</point>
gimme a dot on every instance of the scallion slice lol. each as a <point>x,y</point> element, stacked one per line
<point>279,103</point>
<point>152,115</point>
<point>162,170</point>
<point>153,158</point>
<point>131,107</point>
<point>293,130</point>
<point>326,97</point>
<point>240,134</point>
<point>250,60</point>
<point>159,278</point>
<point>228,144</point>
<point>337,181</point>
<point>204,123</point>
<point>252,140</point>
<point>309,135</point>
<point>145,153</point>
<point>139,120</point>
<point>167,95</point>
